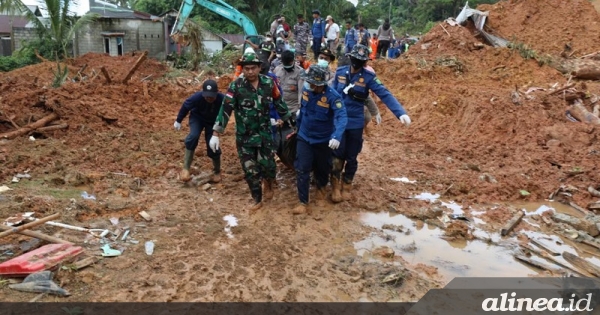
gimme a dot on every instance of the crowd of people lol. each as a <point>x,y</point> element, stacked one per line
<point>277,94</point>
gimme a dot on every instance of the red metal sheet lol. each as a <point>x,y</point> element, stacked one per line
<point>40,259</point>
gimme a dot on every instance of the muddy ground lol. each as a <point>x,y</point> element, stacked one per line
<point>469,143</point>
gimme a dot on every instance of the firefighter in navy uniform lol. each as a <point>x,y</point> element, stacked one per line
<point>321,123</point>
<point>353,83</point>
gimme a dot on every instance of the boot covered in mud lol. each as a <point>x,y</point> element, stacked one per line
<point>320,196</point>
<point>216,176</point>
<point>346,190</point>
<point>187,162</point>
<point>257,199</point>
<point>301,208</point>
<point>268,188</point>
<point>336,189</point>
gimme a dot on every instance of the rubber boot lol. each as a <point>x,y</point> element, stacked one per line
<point>257,196</point>
<point>216,176</point>
<point>187,162</point>
<point>346,191</point>
<point>302,208</point>
<point>268,188</point>
<point>320,196</point>
<point>336,189</point>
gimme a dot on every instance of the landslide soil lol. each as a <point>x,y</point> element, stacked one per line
<point>120,146</point>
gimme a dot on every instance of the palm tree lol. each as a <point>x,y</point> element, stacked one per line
<point>61,26</point>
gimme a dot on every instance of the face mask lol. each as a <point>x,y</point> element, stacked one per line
<point>323,63</point>
<point>356,63</point>
<point>268,39</point>
<point>307,86</point>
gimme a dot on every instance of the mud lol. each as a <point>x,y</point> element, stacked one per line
<point>469,145</point>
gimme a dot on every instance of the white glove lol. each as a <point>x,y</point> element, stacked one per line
<point>177,125</point>
<point>298,113</point>
<point>334,144</point>
<point>378,119</point>
<point>273,122</point>
<point>405,120</point>
<point>214,143</point>
<point>348,88</point>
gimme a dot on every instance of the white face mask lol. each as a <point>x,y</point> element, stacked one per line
<point>323,63</point>
<point>307,86</point>
<point>268,39</point>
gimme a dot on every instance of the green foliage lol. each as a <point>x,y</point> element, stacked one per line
<point>59,75</point>
<point>222,60</point>
<point>27,54</point>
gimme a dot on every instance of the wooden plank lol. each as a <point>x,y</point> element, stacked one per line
<point>106,75</point>
<point>544,247</point>
<point>512,223</point>
<point>582,264</point>
<point>30,127</point>
<point>85,262</point>
<point>29,225</point>
<point>39,235</point>
<point>135,67</point>
<point>52,128</point>
<point>590,243</point>
<point>537,264</point>
<point>552,259</point>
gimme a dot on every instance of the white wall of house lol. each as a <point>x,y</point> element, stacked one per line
<point>212,46</point>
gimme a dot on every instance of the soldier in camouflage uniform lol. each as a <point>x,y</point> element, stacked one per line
<point>301,33</point>
<point>250,97</point>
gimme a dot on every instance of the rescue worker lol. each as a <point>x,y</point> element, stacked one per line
<point>326,59</point>
<point>301,33</point>
<point>321,123</point>
<point>250,97</point>
<point>349,37</point>
<point>203,108</point>
<point>265,51</point>
<point>354,83</point>
<point>288,74</point>
<point>318,32</point>
<point>373,43</point>
<point>301,60</point>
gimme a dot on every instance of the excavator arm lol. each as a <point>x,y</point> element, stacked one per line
<point>221,8</point>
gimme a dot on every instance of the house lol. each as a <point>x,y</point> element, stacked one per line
<point>234,39</point>
<point>9,21</point>
<point>120,30</point>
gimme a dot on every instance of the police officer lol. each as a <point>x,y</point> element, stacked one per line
<point>354,83</point>
<point>321,123</point>
<point>318,32</point>
<point>288,74</point>
<point>250,96</point>
<point>203,108</point>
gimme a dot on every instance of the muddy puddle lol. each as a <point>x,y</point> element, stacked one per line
<point>422,244</point>
<point>418,242</point>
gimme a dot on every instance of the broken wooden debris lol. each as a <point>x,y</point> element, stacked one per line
<point>36,234</point>
<point>135,67</point>
<point>581,113</point>
<point>52,128</point>
<point>29,225</point>
<point>568,86</point>
<point>591,243</point>
<point>85,262</point>
<point>106,75</point>
<point>594,205</point>
<point>537,264</point>
<point>578,208</point>
<point>593,192</point>
<point>587,224</point>
<point>145,215</point>
<point>582,264</point>
<point>145,89</point>
<point>544,247</point>
<point>29,127</point>
<point>512,223</point>
<point>551,259</point>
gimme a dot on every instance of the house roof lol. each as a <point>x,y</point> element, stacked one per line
<point>5,23</point>
<point>109,10</point>
<point>35,9</point>
<point>234,39</point>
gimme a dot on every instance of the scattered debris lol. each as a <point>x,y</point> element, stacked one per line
<point>40,259</point>
<point>40,282</point>
<point>403,180</point>
<point>85,196</point>
<point>231,222</point>
<point>537,264</point>
<point>145,215</point>
<point>149,247</point>
<point>384,252</point>
<point>114,221</point>
<point>4,188</point>
<point>512,223</point>
<point>107,251</point>
<point>582,264</point>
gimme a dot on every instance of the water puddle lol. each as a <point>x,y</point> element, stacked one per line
<point>456,209</point>
<point>532,208</point>
<point>424,245</point>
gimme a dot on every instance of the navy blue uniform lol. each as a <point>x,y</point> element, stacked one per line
<point>202,117</point>
<point>352,141</point>
<point>322,118</point>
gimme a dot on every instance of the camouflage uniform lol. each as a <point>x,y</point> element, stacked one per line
<point>301,33</point>
<point>253,135</point>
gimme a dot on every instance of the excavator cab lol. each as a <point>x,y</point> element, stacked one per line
<point>254,39</point>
